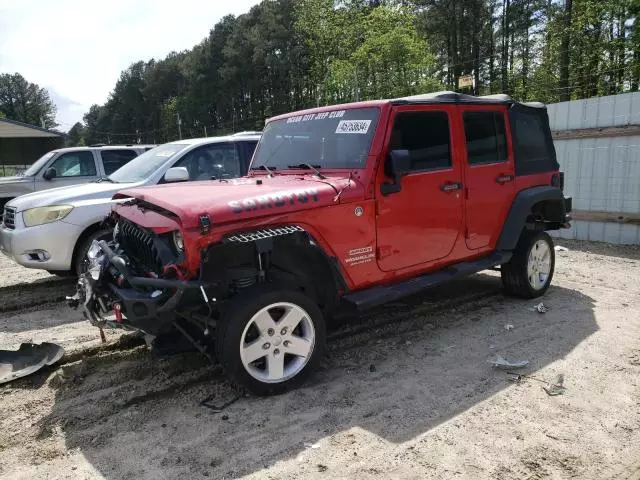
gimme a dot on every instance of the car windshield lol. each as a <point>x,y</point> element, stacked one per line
<point>146,164</point>
<point>333,139</point>
<point>35,168</point>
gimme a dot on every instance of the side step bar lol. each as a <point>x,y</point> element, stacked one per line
<point>372,297</point>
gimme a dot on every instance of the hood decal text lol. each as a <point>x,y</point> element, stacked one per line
<point>275,200</point>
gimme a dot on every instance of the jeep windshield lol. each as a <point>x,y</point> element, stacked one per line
<point>333,139</point>
<point>143,166</point>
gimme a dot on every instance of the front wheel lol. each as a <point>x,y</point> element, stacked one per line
<point>269,339</point>
<point>531,268</point>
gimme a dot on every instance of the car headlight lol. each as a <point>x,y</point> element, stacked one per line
<point>42,215</point>
<point>94,250</point>
<point>178,240</point>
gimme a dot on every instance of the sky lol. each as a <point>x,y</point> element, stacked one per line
<point>76,49</point>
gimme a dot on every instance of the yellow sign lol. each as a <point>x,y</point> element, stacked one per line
<point>465,81</point>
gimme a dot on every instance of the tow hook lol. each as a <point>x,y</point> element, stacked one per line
<point>117,309</point>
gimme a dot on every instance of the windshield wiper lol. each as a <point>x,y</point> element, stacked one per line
<point>104,179</point>
<point>308,166</point>
<point>264,167</point>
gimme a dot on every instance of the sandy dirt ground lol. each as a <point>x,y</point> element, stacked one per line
<point>405,392</point>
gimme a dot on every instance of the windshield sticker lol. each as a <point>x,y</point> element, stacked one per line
<point>274,201</point>
<point>316,116</point>
<point>353,126</point>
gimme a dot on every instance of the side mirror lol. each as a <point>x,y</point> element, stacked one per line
<point>176,174</point>
<point>49,173</point>
<point>399,164</point>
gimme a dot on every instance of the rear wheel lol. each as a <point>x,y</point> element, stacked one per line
<point>531,268</point>
<point>269,340</point>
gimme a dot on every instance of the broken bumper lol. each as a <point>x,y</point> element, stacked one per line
<point>111,295</point>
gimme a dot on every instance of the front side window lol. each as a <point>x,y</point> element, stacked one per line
<point>75,164</point>
<point>215,161</point>
<point>332,139</point>
<point>485,136</point>
<point>426,136</point>
<point>112,160</point>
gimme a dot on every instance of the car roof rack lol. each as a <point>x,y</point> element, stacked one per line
<point>247,133</point>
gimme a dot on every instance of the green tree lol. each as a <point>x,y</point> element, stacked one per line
<point>26,102</point>
<point>75,136</point>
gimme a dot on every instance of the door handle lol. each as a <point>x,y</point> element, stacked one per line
<point>450,186</point>
<point>502,178</point>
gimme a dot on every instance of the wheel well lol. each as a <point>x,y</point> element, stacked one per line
<point>546,212</point>
<point>293,260</point>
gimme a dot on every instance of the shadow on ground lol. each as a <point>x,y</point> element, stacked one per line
<point>133,416</point>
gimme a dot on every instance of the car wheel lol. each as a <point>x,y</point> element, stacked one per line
<point>269,340</point>
<point>531,268</point>
<point>80,263</point>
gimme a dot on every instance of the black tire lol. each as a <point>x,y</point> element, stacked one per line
<point>236,317</point>
<point>515,278</point>
<point>79,260</point>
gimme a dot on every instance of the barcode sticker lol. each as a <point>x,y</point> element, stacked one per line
<point>353,126</point>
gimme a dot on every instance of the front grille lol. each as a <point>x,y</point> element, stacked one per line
<point>139,245</point>
<point>9,218</point>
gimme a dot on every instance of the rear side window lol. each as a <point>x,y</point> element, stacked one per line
<point>485,134</point>
<point>533,145</point>
<point>112,160</point>
<point>426,136</point>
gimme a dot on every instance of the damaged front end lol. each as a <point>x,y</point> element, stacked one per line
<point>132,282</point>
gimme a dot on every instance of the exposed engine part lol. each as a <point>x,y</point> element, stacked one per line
<point>243,277</point>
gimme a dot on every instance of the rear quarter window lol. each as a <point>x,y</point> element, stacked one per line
<point>533,145</point>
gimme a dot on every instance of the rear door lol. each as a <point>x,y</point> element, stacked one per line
<point>489,173</point>
<point>113,159</point>
<point>421,222</point>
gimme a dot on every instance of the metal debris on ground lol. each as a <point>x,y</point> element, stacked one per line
<point>508,327</point>
<point>28,359</point>
<point>559,248</point>
<point>551,388</point>
<point>502,363</point>
<point>541,308</point>
<point>556,388</point>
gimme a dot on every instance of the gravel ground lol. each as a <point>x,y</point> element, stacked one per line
<point>406,391</point>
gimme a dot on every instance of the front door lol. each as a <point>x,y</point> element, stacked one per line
<point>71,168</point>
<point>421,222</point>
<point>489,173</point>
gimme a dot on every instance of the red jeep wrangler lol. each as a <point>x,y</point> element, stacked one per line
<point>345,206</point>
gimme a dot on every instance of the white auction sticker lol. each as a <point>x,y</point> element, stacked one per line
<point>353,126</point>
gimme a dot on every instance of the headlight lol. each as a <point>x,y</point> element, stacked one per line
<point>178,240</point>
<point>42,215</point>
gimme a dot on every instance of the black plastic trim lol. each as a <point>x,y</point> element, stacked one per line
<point>520,211</point>
<point>372,297</point>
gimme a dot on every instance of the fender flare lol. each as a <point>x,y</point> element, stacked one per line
<point>521,209</point>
